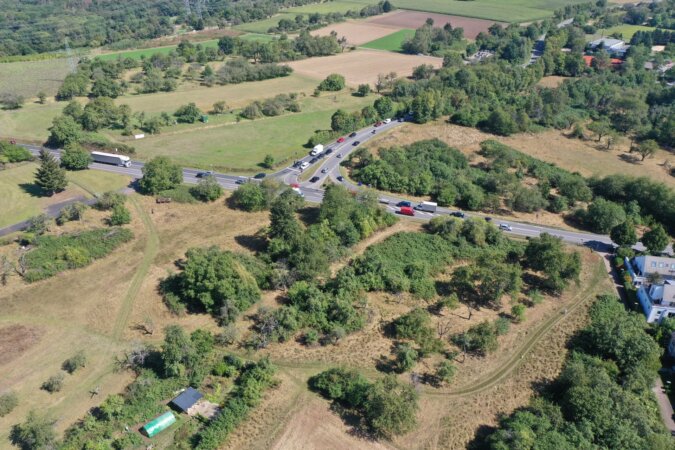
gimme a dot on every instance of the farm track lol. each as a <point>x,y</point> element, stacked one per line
<point>149,253</point>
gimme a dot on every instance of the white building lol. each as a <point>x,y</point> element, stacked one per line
<point>654,278</point>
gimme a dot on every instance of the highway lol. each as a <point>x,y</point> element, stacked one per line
<point>327,168</point>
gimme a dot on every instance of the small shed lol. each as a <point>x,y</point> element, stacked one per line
<point>158,424</point>
<point>186,399</point>
<point>204,118</point>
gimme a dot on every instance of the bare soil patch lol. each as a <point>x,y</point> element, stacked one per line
<point>15,340</point>
<point>415,19</point>
<point>362,66</point>
<point>357,32</point>
<point>552,81</point>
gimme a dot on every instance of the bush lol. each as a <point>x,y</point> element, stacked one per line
<point>75,362</point>
<point>480,339</point>
<point>445,372</point>
<point>74,211</point>
<point>75,157</point>
<point>53,383</point>
<point>12,153</point>
<point>207,190</point>
<point>120,216</point>
<point>8,401</point>
<point>160,174</point>
<point>188,113</point>
<point>518,312</point>
<point>333,82</point>
<point>108,200</point>
<point>35,433</point>
<point>249,197</point>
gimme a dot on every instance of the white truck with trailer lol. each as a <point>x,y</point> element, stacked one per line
<point>111,158</point>
<point>317,150</point>
<point>427,207</point>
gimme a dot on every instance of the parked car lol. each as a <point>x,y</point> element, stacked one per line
<point>304,165</point>
<point>505,227</point>
<point>341,178</point>
<point>488,219</point>
<point>314,179</point>
<point>260,176</point>
<point>205,174</point>
<point>353,134</point>
<point>404,203</point>
<point>387,120</point>
<point>356,143</point>
<point>378,123</point>
<point>459,214</point>
<point>313,160</point>
<point>406,211</point>
<point>340,140</point>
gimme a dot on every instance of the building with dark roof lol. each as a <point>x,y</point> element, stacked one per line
<point>186,399</point>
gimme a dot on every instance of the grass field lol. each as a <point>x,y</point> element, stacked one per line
<point>20,199</point>
<point>241,146</point>
<point>27,78</point>
<point>137,54</point>
<point>329,7</point>
<point>627,31</point>
<point>30,122</point>
<point>261,26</point>
<point>393,42</point>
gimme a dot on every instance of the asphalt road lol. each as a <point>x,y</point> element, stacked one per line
<point>327,168</point>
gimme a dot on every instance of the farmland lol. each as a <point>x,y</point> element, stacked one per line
<point>356,32</point>
<point>27,78</point>
<point>392,42</point>
<point>415,19</point>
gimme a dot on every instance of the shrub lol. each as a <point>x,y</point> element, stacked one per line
<point>249,197</point>
<point>207,190</point>
<point>333,82</point>
<point>480,339</point>
<point>75,362</point>
<point>518,312</point>
<point>74,211</point>
<point>445,371</point>
<point>502,326</point>
<point>75,157</point>
<point>160,174</point>
<point>35,433</point>
<point>180,194</point>
<point>108,200</point>
<point>14,153</point>
<point>8,401</point>
<point>53,383</point>
<point>120,216</point>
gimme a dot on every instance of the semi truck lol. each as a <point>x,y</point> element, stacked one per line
<point>317,150</point>
<point>110,158</point>
<point>427,207</point>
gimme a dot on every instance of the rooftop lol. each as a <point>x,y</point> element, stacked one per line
<point>186,399</point>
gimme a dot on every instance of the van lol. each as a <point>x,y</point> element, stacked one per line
<point>406,211</point>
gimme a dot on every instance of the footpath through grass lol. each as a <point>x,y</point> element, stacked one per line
<point>392,42</point>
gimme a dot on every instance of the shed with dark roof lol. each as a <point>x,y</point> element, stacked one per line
<point>186,399</point>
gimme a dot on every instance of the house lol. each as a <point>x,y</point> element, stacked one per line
<point>186,399</point>
<point>654,278</point>
<point>615,47</point>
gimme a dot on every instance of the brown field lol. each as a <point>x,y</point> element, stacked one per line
<point>362,66</point>
<point>415,19</point>
<point>552,81</point>
<point>357,32</point>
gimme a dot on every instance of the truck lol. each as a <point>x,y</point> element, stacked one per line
<point>110,158</point>
<point>427,207</point>
<point>317,150</point>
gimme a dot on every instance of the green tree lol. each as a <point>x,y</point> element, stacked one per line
<point>390,407</point>
<point>603,215</point>
<point>268,162</point>
<point>36,432</point>
<point>227,45</point>
<point>50,177</point>
<point>249,197</point>
<point>501,123</point>
<point>42,97</point>
<point>53,383</point>
<point>342,122</point>
<point>176,351</point>
<point>75,157</point>
<point>208,189</point>
<point>600,127</point>
<point>219,107</point>
<point>77,361</point>
<point>624,234</point>
<point>547,255</point>
<point>406,357</point>
<point>518,312</point>
<point>647,149</point>
<point>363,90</point>
<point>333,82</point>
<point>64,130</point>
<point>160,174</point>
<point>445,372</point>
<point>120,216</point>
<point>188,113</point>
<point>656,239</point>
<point>384,107</point>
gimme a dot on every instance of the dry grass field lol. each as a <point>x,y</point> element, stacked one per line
<point>357,32</point>
<point>414,19</point>
<point>362,66</point>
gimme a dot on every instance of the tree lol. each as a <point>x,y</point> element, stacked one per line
<point>518,312</point>
<point>75,157</point>
<point>624,234</point>
<point>501,123</point>
<point>390,408</point>
<point>656,239</point>
<point>160,174</point>
<point>208,189</point>
<point>600,127</point>
<point>64,130</point>
<point>120,216</point>
<point>647,149</point>
<point>188,113</point>
<point>53,383</point>
<point>50,177</point>
<point>227,45</point>
<point>406,357</point>
<point>75,362</point>
<point>423,72</point>
<point>11,101</point>
<point>268,162</point>
<point>249,197</point>
<point>546,254</point>
<point>384,107</point>
<point>219,107</point>
<point>333,82</point>
<point>445,372</point>
<point>363,90</point>
<point>42,97</point>
<point>176,351</point>
<point>37,432</point>
<point>603,215</point>
<point>38,225</point>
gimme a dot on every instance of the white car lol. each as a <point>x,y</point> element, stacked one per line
<point>386,120</point>
<point>505,227</point>
<point>304,165</point>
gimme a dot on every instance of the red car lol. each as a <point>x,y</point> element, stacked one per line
<point>406,211</point>
<point>341,140</point>
<point>378,123</point>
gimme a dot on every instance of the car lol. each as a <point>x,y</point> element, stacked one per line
<point>488,219</point>
<point>339,155</point>
<point>401,119</point>
<point>313,160</point>
<point>384,201</point>
<point>304,165</point>
<point>459,214</point>
<point>205,174</point>
<point>387,120</point>
<point>297,164</point>
<point>505,227</point>
<point>377,124</point>
<point>260,176</point>
<point>353,134</point>
<point>341,178</point>
<point>406,211</point>
<point>324,170</point>
<point>329,151</point>
<point>404,203</point>
<point>295,186</point>
<point>356,143</point>
<point>241,180</point>
<point>373,132</point>
<point>314,179</point>
<point>340,140</point>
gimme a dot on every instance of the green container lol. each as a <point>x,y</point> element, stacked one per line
<point>205,118</point>
<point>159,424</point>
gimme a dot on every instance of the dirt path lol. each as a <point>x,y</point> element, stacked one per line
<point>151,250</point>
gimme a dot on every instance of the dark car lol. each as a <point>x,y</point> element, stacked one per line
<point>404,203</point>
<point>260,176</point>
<point>240,180</point>
<point>324,170</point>
<point>459,214</point>
<point>205,174</point>
<point>313,160</point>
<point>314,179</point>
<point>329,151</point>
<point>356,143</point>
<point>488,219</point>
<point>353,134</point>
<point>341,178</point>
